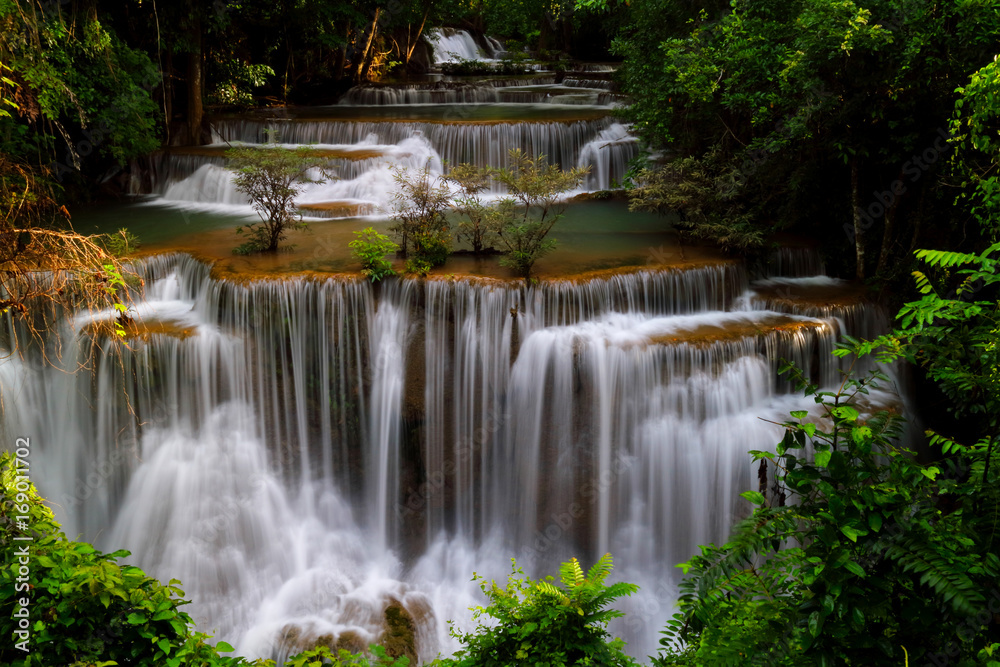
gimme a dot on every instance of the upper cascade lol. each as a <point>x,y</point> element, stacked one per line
<point>451,45</point>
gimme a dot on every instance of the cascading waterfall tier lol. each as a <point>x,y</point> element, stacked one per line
<point>484,91</point>
<point>482,144</point>
<point>304,454</point>
<point>362,154</point>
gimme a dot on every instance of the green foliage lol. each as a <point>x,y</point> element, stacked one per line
<point>704,195</point>
<point>121,243</point>
<point>271,177</point>
<point>871,552</point>
<point>418,267</point>
<point>974,128</point>
<point>418,209</point>
<point>953,337</point>
<point>323,656</point>
<point>236,82</point>
<point>545,623</point>
<point>370,248</point>
<point>463,67</point>
<point>523,219</point>
<point>798,113</point>
<point>473,228</point>
<point>73,79</point>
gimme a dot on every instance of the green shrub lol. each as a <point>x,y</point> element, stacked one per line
<point>473,228</point>
<point>418,267</point>
<point>464,67</point>
<point>433,246</point>
<point>271,177</point>
<point>861,562</point>
<point>121,243</point>
<point>418,210</point>
<point>542,623</point>
<point>523,219</point>
<point>370,248</point>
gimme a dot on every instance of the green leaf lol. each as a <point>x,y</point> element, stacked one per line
<point>861,434</point>
<point>875,522</point>
<point>223,647</point>
<point>815,623</point>
<point>852,533</point>
<point>754,497</point>
<point>822,458</point>
<point>800,414</point>
<point>845,412</point>
<point>930,473</point>
<point>854,568</point>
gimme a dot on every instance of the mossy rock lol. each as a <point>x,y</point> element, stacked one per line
<point>400,633</point>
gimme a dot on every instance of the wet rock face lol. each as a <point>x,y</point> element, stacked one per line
<point>400,632</point>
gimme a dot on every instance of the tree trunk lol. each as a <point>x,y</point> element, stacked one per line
<point>168,91</point>
<point>341,58</point>
<point>412,45</point>
<point>363,56</point>
<point>195,110</point>
<point>859,229</point>
<point>888,231</point>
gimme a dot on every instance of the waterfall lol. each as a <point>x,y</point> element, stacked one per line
<point>482,144</point>
<point>577,82</point>
<point>454,45</point>
<point>608,153</point>
<point>481,91</point>
<point>363,153</point>
<point>302,453</point>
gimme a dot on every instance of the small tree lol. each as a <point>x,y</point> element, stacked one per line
<point>523,219</point>
<point>542,623</point>
<point>418,207</point>
<point>370,248</point>
<point>475,228</point>
<point>272,177</point>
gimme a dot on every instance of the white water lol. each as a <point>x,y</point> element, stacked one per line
<point>204,182</point>
<point>307,453</point>
<point>454,45</point>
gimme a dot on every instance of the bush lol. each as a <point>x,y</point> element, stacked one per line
<point>236,81</point>
<point>464,67</point>
<point>121,243</point>
<point>418,267</point>
<point>433,246</point>
<point>370,248</point>
<point>524,218</point>
<point>861,562</point>
<point>542,623</point>
<point>418,208</point>
<point>473,228</point>
<point>271,177</point>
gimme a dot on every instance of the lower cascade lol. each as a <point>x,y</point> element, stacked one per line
<point>305,454</point>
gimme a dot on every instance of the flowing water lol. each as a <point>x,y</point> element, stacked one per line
<point>304,452</point>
